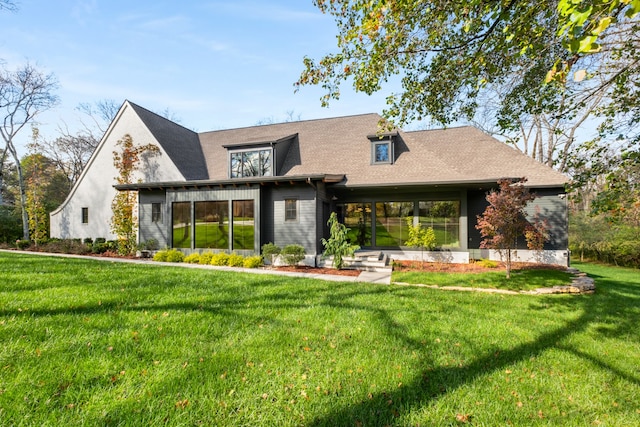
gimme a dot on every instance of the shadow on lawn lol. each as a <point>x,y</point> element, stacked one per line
<point>614,303</point>
<point>611,313</point>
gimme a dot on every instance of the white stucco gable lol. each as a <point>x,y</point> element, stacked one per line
<point>94,189</point>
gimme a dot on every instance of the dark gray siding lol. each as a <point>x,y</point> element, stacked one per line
<point>153,230</point>
<point>302,231</point>
<point>551,205</point>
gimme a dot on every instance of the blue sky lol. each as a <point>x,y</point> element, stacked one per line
<point>212,64</point>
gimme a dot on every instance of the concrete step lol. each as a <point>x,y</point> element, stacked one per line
<point>363,261</point>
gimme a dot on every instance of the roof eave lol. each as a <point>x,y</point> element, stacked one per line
<point>327,178</point>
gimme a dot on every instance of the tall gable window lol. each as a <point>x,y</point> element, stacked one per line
<point>251,163</point>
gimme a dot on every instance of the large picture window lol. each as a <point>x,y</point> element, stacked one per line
<point>243,225</point>
<point>391,225</point>
<point>444,218</point>
<point>251,163</point>
<point>181,224</point>
<point>357,217</point>
<point>212,224</point>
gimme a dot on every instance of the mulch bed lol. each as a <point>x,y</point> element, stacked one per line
<point>472,267</point>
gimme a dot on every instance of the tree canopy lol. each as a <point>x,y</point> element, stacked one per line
<point>448,53</point>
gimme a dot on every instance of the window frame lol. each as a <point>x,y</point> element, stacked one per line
<point>85,215</point>
<point>288,217</point>
<point>241,164</point>
<point>156,213</point>
<point>388,142</point>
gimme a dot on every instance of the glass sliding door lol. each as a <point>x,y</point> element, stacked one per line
<point>212,224</point>
<point>391,225</point>
<point>181,224</point>
<point>243,225</point>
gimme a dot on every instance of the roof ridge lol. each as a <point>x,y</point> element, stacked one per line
<point>290,123</point>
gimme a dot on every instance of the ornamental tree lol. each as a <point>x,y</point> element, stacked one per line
<point>338,243</point>
<point>124,220</point>
<point>420,237</point>
<point>504,220</point>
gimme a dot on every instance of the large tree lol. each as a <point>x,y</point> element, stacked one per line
<point>24,93</point>
<point>448,54</point>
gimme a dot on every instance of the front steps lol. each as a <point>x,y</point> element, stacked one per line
<point>361,260</point>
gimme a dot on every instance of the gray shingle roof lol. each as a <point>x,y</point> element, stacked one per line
<point>340,146</point>
<point>181,144</point>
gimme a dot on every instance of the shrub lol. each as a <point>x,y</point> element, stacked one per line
<point>253,261</point>
<point>219,259</point>
<point>192,258</point>
<point>235,260</point>
<point>205,258</point>
<point>175,255</point>
<point>88,241</point>
<point>270,251</point>
<point>161,256</point>
<point>149,245</point>
<point>169,255</point>
<point>293,254</point>
<point>23,244</point>
<point>487,263</point>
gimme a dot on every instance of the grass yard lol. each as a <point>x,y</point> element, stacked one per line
<point>100,343</point>
<point>521,280</point>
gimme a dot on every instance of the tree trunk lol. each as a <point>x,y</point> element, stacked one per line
<point>508,263</point>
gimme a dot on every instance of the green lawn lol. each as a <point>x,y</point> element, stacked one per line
<point>99,343</point>
<point>521,280</point>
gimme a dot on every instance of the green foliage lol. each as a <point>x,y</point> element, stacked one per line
<point>169,255</point>
<point>420,237</point>
<point>124,222</point>
<point>293,254</point>
<point>100,246</point>
<point>161,256</point>
<point>220,259</point>
<point>10,227</point>
<point>235,260</point>
<point>174,255</point>
<point>471,47</point>
<point>193,258</point>
<point>253,261</point>
<point>23,244</point>
<point>205,258</point>
<point>488,263</point>
<point>338,243</point>
<point>596,238</point>
<point>270,251</point>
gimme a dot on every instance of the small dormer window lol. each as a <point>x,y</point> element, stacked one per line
<point>382,151</point>
<point>248,163</point>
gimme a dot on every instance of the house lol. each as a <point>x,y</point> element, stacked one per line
<point>237,189</point>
